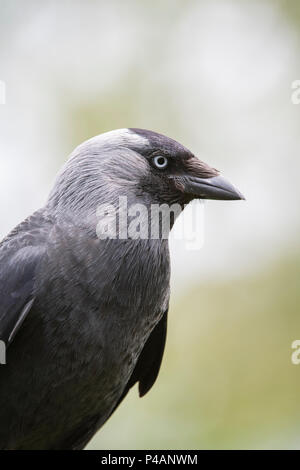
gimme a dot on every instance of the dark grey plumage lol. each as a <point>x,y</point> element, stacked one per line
<point>85,318</point>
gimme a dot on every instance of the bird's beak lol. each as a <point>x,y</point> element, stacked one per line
<point>215,187</point>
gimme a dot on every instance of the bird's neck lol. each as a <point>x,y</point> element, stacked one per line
<point>114,216</point>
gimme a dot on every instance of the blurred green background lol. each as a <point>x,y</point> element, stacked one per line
<point>217,76</point>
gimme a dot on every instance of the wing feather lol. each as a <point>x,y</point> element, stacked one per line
<point>17,288</point>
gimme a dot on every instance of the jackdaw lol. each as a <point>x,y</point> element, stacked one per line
<point>84,314</point>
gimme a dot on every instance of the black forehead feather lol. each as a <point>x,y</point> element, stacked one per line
<point>161,142</point>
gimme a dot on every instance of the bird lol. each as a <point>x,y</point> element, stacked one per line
<point>84,316</point>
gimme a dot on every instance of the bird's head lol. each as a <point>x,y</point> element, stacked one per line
<point>141,164</point>
<point>175,174</point>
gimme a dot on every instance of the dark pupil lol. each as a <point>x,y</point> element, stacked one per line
<point>161,161</point>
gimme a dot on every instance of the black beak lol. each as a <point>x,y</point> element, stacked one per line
<point>216,187</point>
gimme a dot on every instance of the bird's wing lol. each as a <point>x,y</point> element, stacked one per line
<point>149,361</point>
<point>17,282</point>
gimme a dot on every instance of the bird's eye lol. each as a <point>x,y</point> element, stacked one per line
<point>160,162</point>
